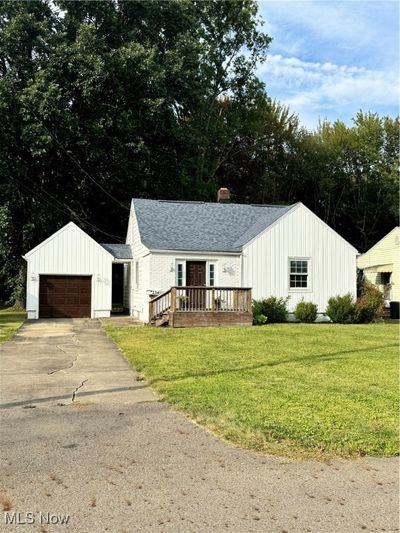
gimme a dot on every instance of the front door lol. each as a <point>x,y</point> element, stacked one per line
<point>196,277</point>
<point>195,273</point>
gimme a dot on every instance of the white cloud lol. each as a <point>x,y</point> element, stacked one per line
<point>365,30</point>
<point>313,89</point>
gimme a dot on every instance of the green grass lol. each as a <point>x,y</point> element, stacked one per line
<point>10,321</point>
<point>296,390</point>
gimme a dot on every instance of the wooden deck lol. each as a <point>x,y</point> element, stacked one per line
<point>181,307</point>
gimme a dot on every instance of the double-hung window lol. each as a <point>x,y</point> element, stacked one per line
<point>298,274</point>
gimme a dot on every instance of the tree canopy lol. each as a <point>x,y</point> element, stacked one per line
<point>104,101</point>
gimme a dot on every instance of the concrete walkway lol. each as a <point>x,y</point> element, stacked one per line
<point>82,437</point>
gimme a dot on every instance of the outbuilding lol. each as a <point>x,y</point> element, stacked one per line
<point>69,275</point>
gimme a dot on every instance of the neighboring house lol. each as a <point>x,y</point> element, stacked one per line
<point>381,265</point>
<point>199,263</point>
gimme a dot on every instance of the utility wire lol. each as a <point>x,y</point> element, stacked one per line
<point>66,210</point>
<point>76,162</point>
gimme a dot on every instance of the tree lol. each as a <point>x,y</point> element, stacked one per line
<point>102,101</point>
<point>350,176</point>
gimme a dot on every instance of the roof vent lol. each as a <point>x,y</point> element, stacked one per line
<point>224,196</point>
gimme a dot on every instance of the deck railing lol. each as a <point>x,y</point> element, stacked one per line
<point>160,304</point>
<point>215,299</point>
<point>196,299</point>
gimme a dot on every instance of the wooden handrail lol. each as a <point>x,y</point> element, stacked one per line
<point>160,295</point>
<point>211,299</point>
<point>210,287</point>
<point>160,304</point>
<point>201,299</point>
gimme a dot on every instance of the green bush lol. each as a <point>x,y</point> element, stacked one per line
<point>259,320</point>
<point>274,308</point>
<point>370,303</point>
<point>306,311</point>
<point>342,309</point>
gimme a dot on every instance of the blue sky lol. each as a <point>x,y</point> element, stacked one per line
<point>329,59</point>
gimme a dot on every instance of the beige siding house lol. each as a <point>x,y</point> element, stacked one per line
<point>381,265</point>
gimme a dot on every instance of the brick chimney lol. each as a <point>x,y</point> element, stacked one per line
<point>224,196</point>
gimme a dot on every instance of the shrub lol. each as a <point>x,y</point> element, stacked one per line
<point>370,303</point>
<point>259,320</point>
<point>306,311</point>
<point>274,308</point>
<point>342,309</point>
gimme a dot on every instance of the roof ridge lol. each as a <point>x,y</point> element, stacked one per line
<point>202,225</point>
<point>213,203</point>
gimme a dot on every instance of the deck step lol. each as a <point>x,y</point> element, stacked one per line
<point>162,320</point>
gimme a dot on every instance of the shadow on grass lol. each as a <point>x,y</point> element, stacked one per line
<point>314,358</point>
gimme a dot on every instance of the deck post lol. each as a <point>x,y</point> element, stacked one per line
<point>249,300</point>
<point>173,299</point>
<point>213,299</point>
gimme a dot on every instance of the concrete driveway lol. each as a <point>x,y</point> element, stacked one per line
<point>82,437</point>
<point>63,361</point>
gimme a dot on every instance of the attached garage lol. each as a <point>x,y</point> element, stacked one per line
<point>69,275</point>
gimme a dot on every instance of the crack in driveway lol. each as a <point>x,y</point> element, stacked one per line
<point>66,367</point>
<point>58,346</point>
<point>78,387</point>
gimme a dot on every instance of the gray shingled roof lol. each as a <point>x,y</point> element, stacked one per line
<point>119,251</point>
<point>201,226</point>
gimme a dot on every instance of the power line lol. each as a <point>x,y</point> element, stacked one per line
<point>70,212</point>
<point>67,210</point>
<point>76,162</point>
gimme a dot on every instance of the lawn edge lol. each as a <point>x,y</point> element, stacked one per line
<point>15,331</point>
<point>299,454</point>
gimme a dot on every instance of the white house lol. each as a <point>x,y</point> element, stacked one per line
<point>222,249</point>
<point>381,265</point>
<point>70,275</point>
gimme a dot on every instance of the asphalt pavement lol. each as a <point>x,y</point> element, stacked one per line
<point>86,446</point>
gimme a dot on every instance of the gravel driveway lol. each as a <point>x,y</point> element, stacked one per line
<point>81,436</point>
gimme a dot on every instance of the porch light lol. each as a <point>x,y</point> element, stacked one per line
<point>227,269</point>
<point>33,277</point>
<point>172,267</point>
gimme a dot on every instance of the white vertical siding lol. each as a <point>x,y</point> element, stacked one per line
<point>138,296</point>
<point>70,251</point>
<point>127,285</point>
<point>300,234</point>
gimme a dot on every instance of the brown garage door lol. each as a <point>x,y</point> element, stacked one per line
<point>64,296</point>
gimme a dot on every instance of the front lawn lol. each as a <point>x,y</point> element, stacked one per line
<point>10,321</point>
<point>288,389</point>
